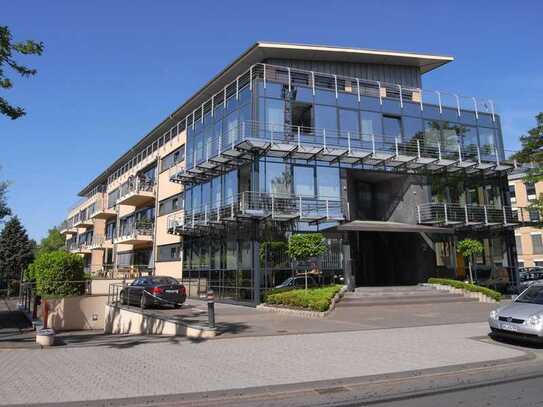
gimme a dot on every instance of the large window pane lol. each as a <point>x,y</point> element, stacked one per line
<point>468,138</point>
<point>304,181</point>
<point>392,128</point>
<point>278,178</point>
<point>326,118</point>
<point>272,113</point>
<point>412,128</point>
<point>371,125</point>
<point>328,182</point>
<point>488,144</point>
<point>348,122</point>
<point>230,185</point>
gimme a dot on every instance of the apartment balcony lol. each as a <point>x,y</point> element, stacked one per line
<point>67,228</point>
<point>136,192</point>
<point>99,242</point>
<point>80,248</point>
<point>137,236</point>
<point>413,156</point>
<point>257,206</point>
<point>100,210</point>
<point>475,216</point>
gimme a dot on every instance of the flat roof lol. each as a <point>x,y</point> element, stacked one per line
<point>261,51</point>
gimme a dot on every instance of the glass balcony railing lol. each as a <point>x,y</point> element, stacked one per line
<point>258,206</point>
<point>452,214</point>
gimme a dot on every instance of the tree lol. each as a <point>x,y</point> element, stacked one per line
<point>304,246</point>
<point>57,274</point>
<point>470,248</point>
<point>7,49</point>
<point>531,155</point>
<point>16,250</point>
<point>52,242</point>
<point>4,210</point>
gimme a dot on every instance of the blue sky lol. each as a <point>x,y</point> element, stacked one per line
<point>113,69</point>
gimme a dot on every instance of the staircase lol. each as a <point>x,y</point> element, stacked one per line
<point>399,295</point>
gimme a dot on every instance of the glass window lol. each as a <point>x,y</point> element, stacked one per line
<point>449,133</point>
<point>302,94</point>
<point>392,127</point>
<point>537,244</point>
<point>325,118</point>
<point>272,113</point>
<point>170,205</point>
<point>412,128</point>
<point>512,192</point>
<point>348,122</point>
<point>328,182</point>
<point>432,133</point>
<point>325,97</point>
<point>487,138</point>
<point>371,124</point>
<point>169,252</point>
<point>302,116</point>
<point>173,158</point>
<point>112,198</point>
<point>230,185</point>
<point>278,178</point>
<point>469,140</point>
<point>534,214</point>
<point>216,190</point>
<point>206,195</point>
<point>304,180</point>
<point>518,242</point>
<point>530,188</point>
<point>230,128</point>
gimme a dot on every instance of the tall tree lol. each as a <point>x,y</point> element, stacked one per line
<point>7,48</point>
<point>16,250</point>
<point>531,153</point>
<point>4,210</point>
<point>52,242</point>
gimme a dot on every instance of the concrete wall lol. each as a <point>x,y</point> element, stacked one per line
<point>101,286</point>
<point>77,313</point>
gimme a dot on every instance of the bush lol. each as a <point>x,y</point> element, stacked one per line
<point>58,274</point>
<point>315,299</point>
<point>466,286</point>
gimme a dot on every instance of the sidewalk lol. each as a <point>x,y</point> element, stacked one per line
<point>181,366</point>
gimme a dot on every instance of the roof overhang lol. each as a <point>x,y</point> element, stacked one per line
<point>261,51</point>
<point>391,227</point>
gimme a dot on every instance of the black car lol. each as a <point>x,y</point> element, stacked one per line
<point>298,282</point>
<point>154,290</point>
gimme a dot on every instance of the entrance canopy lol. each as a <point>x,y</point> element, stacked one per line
<point>381,226</point>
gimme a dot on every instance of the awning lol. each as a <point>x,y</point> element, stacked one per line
<point>381,226</point>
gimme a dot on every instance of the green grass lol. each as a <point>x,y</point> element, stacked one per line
<point>466,286</point>
<point>314,299</point>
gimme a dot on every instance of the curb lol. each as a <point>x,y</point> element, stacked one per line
<point>467,294</point>
<point>304,313</point>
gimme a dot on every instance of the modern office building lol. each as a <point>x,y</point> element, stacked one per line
<point>529,239</point>
<point>296,138</point>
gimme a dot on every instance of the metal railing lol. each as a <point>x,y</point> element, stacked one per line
<point>259,205</point>
<point>334,145</point>
<point>464,215</point>
<point>134,185</point>
<point>132,232</point>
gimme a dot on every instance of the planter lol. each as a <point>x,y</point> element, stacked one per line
<point>45,337</point>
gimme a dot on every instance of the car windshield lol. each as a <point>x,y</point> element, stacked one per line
<point>533,295</point>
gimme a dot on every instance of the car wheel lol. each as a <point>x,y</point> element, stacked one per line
<point>177,306</point>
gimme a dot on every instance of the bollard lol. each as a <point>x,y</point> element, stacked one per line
<point>211,308</point>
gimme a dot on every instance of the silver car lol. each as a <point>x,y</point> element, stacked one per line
<point>523,318</point>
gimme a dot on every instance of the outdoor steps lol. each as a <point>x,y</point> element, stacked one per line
<point>402,295</point>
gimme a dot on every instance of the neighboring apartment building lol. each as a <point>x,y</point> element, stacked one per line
<point>295,138</point>
<point>529,239</point>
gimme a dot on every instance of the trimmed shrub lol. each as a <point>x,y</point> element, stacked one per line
<point>466,286</point>
<point>58,274</point>
<point>314,299</point>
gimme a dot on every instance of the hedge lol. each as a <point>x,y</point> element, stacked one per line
<point>314,299</point>
<point>466,286</point>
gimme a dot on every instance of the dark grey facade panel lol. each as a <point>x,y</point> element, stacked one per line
<point>403,75</point>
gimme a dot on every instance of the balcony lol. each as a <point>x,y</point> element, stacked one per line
<point>66,228</point>
<point>139,235</point>
<point>413,156</point>
<point>257,206</point>
<point>461,216</point>
<point>136,192</point>
<point>100,210</point>
<point>99,242</point>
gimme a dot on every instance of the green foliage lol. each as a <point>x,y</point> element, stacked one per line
<point>532,151</point>
<point>272,252</point>
<point>7,49</point>
<point>315,299</point>
<point>303,246</point>
<point>469,248</point>
<point>4,209</point>
<point>466,286</point>
<point>57,274</point>
<point>52,242</point>
<point>16,250</point>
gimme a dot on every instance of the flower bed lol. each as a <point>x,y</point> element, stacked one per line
<point>314,299</point>
<point>496,296</point>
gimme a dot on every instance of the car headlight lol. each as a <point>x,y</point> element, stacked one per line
<point>494,314</point>
<point>534,320</point>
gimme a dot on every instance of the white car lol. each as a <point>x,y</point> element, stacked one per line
<point>523,318</point>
